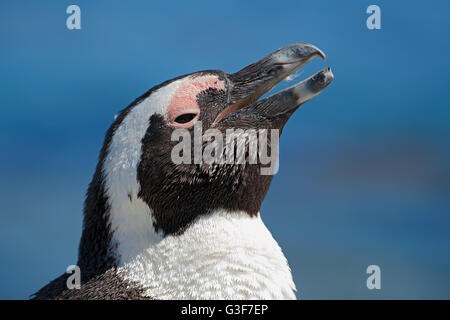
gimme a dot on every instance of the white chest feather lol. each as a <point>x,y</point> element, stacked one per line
<point>221,256</point>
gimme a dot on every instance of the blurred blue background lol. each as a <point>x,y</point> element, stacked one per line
<point>365,167</point>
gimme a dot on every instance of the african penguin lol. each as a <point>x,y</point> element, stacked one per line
<point>154,229</point>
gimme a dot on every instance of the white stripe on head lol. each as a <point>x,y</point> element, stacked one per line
<point>130,217</point>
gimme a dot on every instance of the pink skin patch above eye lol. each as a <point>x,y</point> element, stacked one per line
<point>184,100</point>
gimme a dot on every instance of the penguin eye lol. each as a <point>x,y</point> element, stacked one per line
<point>185,118</point>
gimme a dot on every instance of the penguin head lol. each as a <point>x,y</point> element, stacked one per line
<point>137,160</point>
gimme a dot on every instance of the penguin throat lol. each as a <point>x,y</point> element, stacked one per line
<point>224,255</point>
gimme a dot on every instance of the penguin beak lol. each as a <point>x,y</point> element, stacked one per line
<point>250,83</point>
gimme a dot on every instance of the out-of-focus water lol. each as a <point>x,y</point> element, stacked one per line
<point>365,167</point>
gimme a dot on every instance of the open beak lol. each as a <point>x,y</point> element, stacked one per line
<point>250,83</point>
